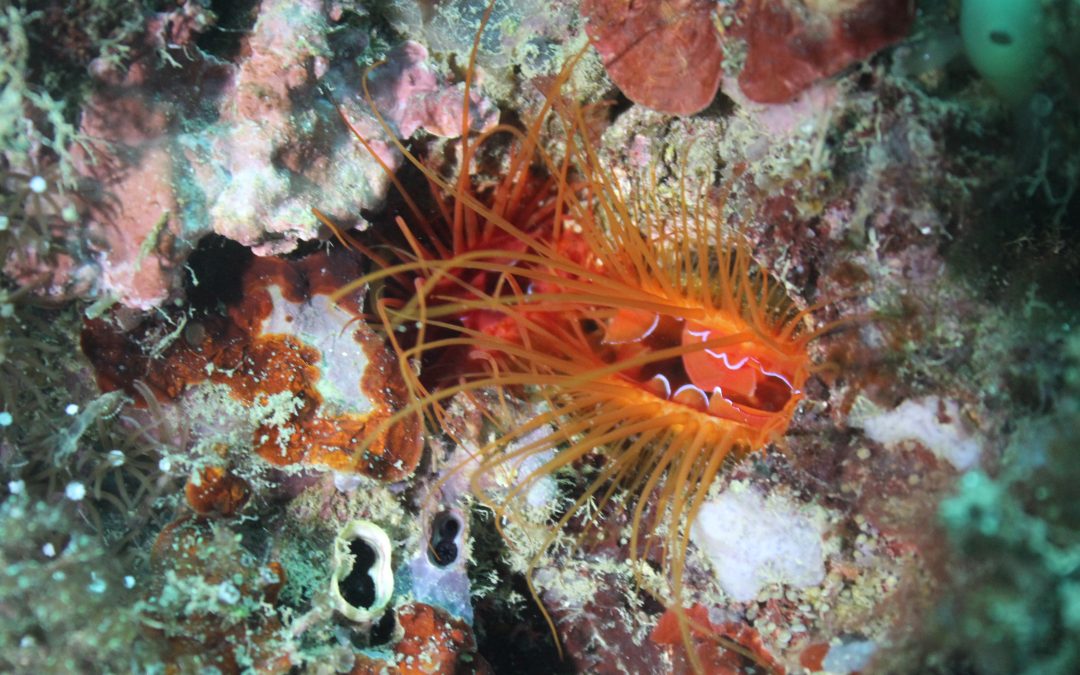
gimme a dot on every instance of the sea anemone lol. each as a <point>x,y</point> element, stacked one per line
<point>643,330</point>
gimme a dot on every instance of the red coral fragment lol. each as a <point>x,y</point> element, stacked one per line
<point>434,643</point>
<point>664,55</point>
<point>726,649</point>
<point>186,554</point>
<point>813,657</point>
<point>790,46</point>
<point>216,492</point>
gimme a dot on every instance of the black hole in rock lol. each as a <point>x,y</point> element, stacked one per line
<point>383,629</point>
<point>214,274</point>
<point>1000,37</point>
<point>443,550</point>
<point>235,20</point>
<point>358,588</point>
<point>621,105</point>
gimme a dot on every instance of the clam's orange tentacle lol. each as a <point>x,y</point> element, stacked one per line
<point>642,330</point>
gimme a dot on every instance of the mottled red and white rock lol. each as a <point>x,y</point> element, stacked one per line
<point>243,148</point>
<point>310,383</point>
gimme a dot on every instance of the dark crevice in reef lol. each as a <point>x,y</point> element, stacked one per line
<point>383,630</point>
<point>444,530</point>
<point>235,19</point>
<point>511,637</point>
<point>215,271</point>
<point>358,588</point>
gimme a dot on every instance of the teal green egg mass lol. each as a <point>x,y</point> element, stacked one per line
<point>1005,41</point>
